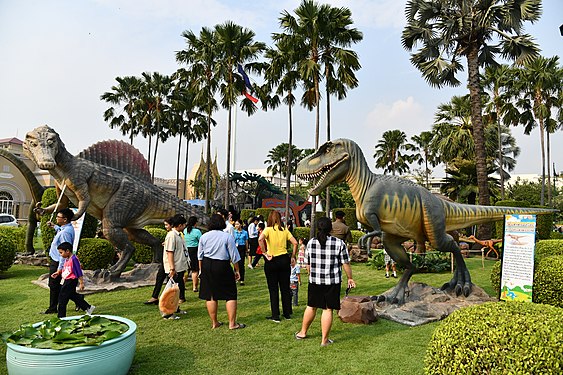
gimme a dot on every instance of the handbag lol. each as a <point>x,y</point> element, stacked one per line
<point>170,298</point>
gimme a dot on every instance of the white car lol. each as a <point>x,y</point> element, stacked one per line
<point>8,220</point>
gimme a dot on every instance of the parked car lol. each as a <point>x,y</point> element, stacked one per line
<point>8,220</point>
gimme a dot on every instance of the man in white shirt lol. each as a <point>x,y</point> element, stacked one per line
<point>252,239</point>
<point>229,229</point>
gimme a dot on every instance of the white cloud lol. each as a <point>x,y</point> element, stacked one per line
<point>405,114</point>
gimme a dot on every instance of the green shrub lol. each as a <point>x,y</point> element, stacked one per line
<point>7,248</point>
<point>246,214</point>
<point>154,226</point>
<point>356,235</point>
<point>498,338</point>
<point>17,235</point>
<point>548,281</point>
<point>546,248</point>
<point>319,214</point>
<point>556,236</point>
<point>143,253</point>
<point>495,277</point>
<point>89,227</point>
<point>544,224</point>
<point>349,216</point>
<point>95,253</point>
<point>265,212</point>
<point>301,232</point>
<point>377,259</point>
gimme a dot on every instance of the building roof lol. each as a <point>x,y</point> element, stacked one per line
<point>11,140</point>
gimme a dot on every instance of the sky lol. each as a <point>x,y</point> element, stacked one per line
<point>59,56</point>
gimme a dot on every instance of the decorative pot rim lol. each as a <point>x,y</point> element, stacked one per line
<point>132,329</point>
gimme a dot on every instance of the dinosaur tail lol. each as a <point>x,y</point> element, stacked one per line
<point>463,215</point>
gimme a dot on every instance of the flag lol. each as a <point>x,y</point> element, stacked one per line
<point>245,77</point>
<point>250,97</point>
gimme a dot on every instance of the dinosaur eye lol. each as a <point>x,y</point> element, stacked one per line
<point>32,143</point>
<point>49,142</point>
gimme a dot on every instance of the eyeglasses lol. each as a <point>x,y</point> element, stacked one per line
<point>60,217</point>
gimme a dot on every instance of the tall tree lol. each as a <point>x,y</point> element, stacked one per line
<point>125,93</point>
<point>201,57</point>
<point>388,153</point>
<point>423,153</point>
<point>538,89</point>
<point>235,45</point>
<point>443,31</point>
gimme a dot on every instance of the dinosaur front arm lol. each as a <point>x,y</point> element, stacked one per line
<point>83,196</point>
<point>63,203</point>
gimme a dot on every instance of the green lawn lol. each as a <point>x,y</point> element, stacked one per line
<point>189,346</point>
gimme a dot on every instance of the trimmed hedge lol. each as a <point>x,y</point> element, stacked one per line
<point>495,277</point>
<point>301,232</point>
<point>498,338</point>
<point>349,217</point>
<point>265,212</point>
<point>546,248</point>
<point>356,235</point>
<point>17,234</point>
<point>7,248</point>
<point>95,253</point>
<point>548,281</point>
<point>246,214</point>
<point>143,253</point>
<point>544,224</point>
<point>556,236</point>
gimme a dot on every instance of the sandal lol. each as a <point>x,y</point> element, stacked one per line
<point>171,317</point>
<point>219,324</point>
<point>297,337</point>
<point>328,342</point>
<point>239,326</point>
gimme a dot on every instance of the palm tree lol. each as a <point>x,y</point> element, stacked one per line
<point>388,152</point>
<point>443,31</point>
<point>201,56</point>
<point>276,160</point>
<point>126,92</point>
<point>538,88</point>
<point>235,45</point>
<point>423,152</point>
<point>460,183</point>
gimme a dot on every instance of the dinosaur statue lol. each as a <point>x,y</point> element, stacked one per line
<point>36,194</point>
<point>111,181</point>
<point>398,210</point>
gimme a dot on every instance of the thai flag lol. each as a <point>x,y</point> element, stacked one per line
<point>247,84</point>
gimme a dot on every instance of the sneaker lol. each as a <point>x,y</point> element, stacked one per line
<point>171,317</point>
<point>287,317</point>
<point>242,283</point>
<point>395,275</point>
<point>273,319</point>
<point>90,309</point>
<point>387,275</point>
<point>250,266</point>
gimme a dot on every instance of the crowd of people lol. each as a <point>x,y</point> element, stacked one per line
<point>215,263</point>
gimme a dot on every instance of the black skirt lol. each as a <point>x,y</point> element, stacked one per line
<point>217,280</point>
<point>324,296</point>
<point>194,263</point>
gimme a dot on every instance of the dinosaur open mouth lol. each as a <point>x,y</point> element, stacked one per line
<point>320,174</point>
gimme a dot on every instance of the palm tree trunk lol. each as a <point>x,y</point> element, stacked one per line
<point>327,205</point>
<point>548,169</point>
<point>156,147</point>
<point>426,172</point>
<point>484,231</point>
<point>149,161</point>
<point>208,167</point>
<point>178,161</point>
<point>226,198</point>
<point>186,158</point>
<point>288,174</point>
<point>500,160</point>
<point>317,126</point>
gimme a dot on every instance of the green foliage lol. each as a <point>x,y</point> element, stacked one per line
<point>495,277</point>
<point>47,233</point>
<point>95,253</point>
<point>423,263</point>
<point>377,259</point>
<point>64,334</point>
<point>548,281</point>
<point>498,338</point>
<point>301,232</point>
<point>556,236</point>
<point>154,226</point>
<point>246,214</point>
<point>544,224</point>
<point>89,227</point>
<point>17,234</point>
<point>525,191</point>
<point>356,234</point>
<point>546,248</point>
<point>143,253</point>
<point>265,212</point>
<point>7,248</point>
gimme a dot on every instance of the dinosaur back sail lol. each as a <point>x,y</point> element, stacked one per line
<point>119,155</point>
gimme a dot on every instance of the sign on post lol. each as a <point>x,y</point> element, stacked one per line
<point>518,258</point>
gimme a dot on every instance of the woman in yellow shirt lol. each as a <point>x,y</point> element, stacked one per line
<point>278,265</point>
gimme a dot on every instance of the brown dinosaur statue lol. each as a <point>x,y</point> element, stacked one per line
<point>398,210</point>
<point>110,181</point>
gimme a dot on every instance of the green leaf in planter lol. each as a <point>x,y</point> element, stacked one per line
<point>111,335</point>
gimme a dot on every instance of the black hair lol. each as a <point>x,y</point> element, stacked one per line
<point>65,246</point>
<point>339,214</point>
<point>191,223</point>
<point>223,212</point>
<point>67,213</point>
<point>324,226</point>
<point>216,222</point>
<point>261,226</point>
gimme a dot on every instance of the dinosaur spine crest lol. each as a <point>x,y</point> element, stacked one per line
<point>118,155</point>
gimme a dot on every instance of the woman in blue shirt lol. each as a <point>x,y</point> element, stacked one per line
<point>241,239</point>
<point>192,236</point>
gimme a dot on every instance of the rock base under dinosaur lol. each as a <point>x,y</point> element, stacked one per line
<point>141,275</point>
<point>426,304</point>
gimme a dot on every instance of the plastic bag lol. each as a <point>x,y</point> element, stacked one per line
<point>170,298</point>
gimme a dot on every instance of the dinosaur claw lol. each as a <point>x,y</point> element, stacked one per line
<point>458,290</point>
<point>467,289</point>
<point>380,298</point>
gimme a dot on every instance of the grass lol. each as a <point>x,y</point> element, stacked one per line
<point>189,346</point>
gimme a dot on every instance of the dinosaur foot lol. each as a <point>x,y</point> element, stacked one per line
<point>458,287</point>
<point>106,275</point>
<point>397,296</point>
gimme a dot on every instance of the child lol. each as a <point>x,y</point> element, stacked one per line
<point>301,253</point>
<point>389,262</point>
<point>295,281</point>
<point>71,275</point>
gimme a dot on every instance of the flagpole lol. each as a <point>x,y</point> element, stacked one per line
<point>235,140</point>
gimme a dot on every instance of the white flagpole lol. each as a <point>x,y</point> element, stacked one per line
<point>58,202</point>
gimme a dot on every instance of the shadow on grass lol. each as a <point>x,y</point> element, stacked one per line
<point>162,359</point>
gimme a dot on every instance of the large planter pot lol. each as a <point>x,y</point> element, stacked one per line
<point>112,357</point>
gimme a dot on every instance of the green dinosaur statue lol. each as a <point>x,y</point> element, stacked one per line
<point>398,210</point>
<point>111,181</point>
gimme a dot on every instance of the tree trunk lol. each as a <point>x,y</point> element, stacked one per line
<point>178,161</point>
<point>327,205</point>
<point>186,159</point>
<point>149,161</point>
<point>500,159</point>
<point>289,157</point>
<point>548,154</point>
<point>317,126</point>
<point>484,231</point>
<point>208,167</point>
<point>226,198</point>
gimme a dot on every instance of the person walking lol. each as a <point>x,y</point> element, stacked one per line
<point>174,256</point>
<point>325,257</point>
<point>192,236</point>
<point>339,227</point>
<point>252,239</point>
<point>160,275</point>
<point>277,267</point>
<point>241,240</point>
<point>216,251</point>
<point>64,232</point>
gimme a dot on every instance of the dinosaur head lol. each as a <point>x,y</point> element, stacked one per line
<point>329,164</point>
<point>42,145</point>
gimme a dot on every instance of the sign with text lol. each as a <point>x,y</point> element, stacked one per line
<point>517,279</point>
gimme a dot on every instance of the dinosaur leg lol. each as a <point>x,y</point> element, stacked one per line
<point>461,280</point>
<point>393,246</point>
<point>365,241</point>
<point>118,238</point>
<point>143,237</point>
